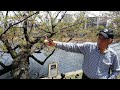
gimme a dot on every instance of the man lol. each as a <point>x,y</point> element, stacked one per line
<point>99,58</point>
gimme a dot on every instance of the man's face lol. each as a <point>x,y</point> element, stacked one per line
<point>103,42</point>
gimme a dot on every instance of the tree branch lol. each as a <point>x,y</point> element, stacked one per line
<point>54,51</point>
<point>6,69</point>
<point>18,23</point>
<point>52,33</point>
<point>45,24</point>
<point>6,15</point>
<point>49,56</point>
<point>39,51</point>
<point>16,15</point>
<point>51,20</point>
<point>38,61</point>
<point>71,25</point>
<point>8,46</point>
<point>2,64</point>
<point>25,31</point>
<point>4,51</point>
<point>60,19</point>
<point>16,47</point>
<point>42,63</point>
<point>2,14</point>
<point>70,38</point>
<point>56,16</point>
<point>36,40</point>
<point>41,48</point>
<point>5,25</point>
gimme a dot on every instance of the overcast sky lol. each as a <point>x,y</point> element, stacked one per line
<point>96,13</point>
<point>91,13</point>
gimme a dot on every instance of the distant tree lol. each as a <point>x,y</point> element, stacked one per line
<point>114,17</point>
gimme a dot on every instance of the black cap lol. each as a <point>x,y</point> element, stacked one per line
<point>107,33</point>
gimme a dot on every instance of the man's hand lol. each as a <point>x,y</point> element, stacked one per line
<point>49,42</point>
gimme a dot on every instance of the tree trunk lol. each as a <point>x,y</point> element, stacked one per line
<point>21,67</point>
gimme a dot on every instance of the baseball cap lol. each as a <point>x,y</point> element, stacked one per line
<point>106,33</point>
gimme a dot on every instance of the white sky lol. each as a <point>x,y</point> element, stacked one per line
<point>92,13</point>
<point>96,13</point>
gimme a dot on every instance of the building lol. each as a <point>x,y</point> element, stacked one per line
<point>96,22</point>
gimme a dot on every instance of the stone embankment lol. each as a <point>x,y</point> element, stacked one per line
<point>69,75</point>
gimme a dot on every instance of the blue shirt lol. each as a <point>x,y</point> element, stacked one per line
<point>95,64</point>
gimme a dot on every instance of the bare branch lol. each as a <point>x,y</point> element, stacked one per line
<point>70,38</point>
<point>53,26</point>
<point>5,25</point>
<point>25,31</point>
<point>60,19</point>
<point>39,51</point>
<point>71,25</point>
<point>6,69</point>
<point>49,56</point>
<point>53,33</point>
<point>16,15</point>
<point>45,24</point>
<point>38,61</point>
<point>6,15</point>
<point>4,51</point>
<point>54,51</point>
<point>42,63</point>
<point>2,64</point>
<point>17,23</point>
<point>36,40</point>
<point>2,14</point>
<point>41,48</point>
<point>56,16</point>
<point>50,17</point>
<point>16,47</point>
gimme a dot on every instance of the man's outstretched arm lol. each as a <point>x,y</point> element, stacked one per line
<point>70,47</point>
